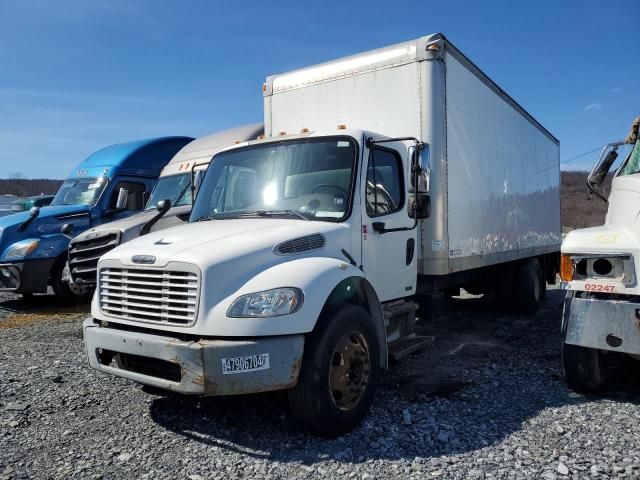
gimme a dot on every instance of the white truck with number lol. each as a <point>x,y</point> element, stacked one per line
<point>383,175</point>
<point>599,271</point>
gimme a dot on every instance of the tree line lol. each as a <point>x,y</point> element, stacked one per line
<point>27,187</point>
<point>578,210</point>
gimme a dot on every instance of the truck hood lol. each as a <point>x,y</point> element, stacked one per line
<point>49,221</point>
<point>603,239</point>
<point>129,227</point>
<point>249,242</point>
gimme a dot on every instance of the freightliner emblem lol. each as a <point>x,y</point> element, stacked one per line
<point>145,259</point>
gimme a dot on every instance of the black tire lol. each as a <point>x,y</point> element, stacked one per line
<point>504,288</point>
<point>313,401</point>
<point>584,369</point>
<point>61,288</point>
<point>27,297</point>
<point>449,293</point>
<point>529,285</point>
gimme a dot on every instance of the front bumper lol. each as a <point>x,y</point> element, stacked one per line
<point>612,325</point>
<point>26,277</point>
<point>193,367</point>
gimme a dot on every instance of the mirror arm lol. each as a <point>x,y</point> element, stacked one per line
<point>146,228</point>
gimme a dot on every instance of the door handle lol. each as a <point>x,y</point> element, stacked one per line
<point>411,247</point>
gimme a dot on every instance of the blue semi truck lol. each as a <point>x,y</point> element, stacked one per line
<point>110,184</point>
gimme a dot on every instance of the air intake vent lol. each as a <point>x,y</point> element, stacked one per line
<point>299,245</point>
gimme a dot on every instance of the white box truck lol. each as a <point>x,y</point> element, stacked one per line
<point>381,175</point>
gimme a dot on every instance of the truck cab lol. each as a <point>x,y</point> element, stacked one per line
<point>169,205</point>
<point>599,270</point>
<point>278,237</point>
<point>110,184</point>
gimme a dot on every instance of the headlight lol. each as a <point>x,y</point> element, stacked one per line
<point>618,268</point>
<point>21,249</point>
<point>269,303</point>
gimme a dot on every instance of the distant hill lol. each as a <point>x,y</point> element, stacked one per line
<point>577,210</point>
<point>22,187</point>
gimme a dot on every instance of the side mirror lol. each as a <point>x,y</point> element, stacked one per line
<point>66,229</point>
<point>419,206</point>
<point>33,214</point>
<point>163,205</point>
<point>123,197</point>
<point>196,182</point>
<point>424,162</point>
<point>601,169</point>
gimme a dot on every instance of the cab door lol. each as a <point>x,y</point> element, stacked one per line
<point>389,258</point>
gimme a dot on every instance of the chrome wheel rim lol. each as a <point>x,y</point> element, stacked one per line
<point>350,370</point>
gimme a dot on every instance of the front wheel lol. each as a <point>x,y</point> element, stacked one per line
<point>583,368</point>
<point>339,372</point>
<point>65,293</point>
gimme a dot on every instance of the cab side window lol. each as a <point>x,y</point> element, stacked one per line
<point>135,200</point>
<point>385,185</point>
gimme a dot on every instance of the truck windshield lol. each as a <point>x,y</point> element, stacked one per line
<point>80,191</point>
<point>176,188</point>
<point>308,179</point>
<point>632,164</point>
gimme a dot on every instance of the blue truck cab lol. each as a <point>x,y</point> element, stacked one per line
<point>110,184</point>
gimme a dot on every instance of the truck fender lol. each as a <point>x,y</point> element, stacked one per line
<point>319,278</point>
<point>357,290</point>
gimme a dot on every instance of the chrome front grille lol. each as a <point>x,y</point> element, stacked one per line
<point>149,295</point>
<point>84,255</point>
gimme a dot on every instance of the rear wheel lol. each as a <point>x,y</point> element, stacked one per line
<point>339,372</point>
<point>529,286</point>
<point>583,368</point>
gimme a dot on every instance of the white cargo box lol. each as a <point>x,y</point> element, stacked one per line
<point>495,176</point>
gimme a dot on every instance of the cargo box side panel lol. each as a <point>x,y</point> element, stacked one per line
<point>382,100</point>
<point>503,177</point>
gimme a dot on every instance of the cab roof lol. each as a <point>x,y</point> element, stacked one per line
<point>141,157</point>
<point>201,150</point>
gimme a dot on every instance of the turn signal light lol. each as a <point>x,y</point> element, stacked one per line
<point>566,268</point>
<point>282,133</point>
<point>342,126</point>
<point>304,130</point>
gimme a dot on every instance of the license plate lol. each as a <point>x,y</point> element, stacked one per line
<point>248,363</point>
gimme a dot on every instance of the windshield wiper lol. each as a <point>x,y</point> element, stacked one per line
<point>252,214</point>
<point>205,218</point>
<point>273,213</point>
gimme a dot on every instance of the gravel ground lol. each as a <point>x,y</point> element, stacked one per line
<point>486,401</point>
